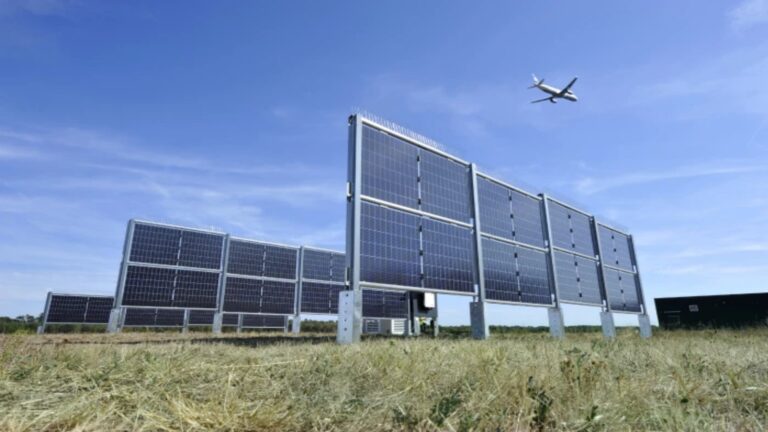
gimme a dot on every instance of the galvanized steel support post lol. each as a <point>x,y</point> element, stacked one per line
<point>480,329</point>
<point>606,316</point>
<point>555,314</point>
<point>116,314</point>
<point>296,322</point>
<point>350,321</point>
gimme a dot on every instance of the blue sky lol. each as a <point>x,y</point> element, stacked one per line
<point>233,115</point>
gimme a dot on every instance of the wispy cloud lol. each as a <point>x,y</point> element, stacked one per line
<point>748,14</point>
<point>592,185</point>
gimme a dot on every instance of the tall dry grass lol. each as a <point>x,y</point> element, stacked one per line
<point>697,380</point>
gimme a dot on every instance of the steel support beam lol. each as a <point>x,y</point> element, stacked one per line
<point>350,321</point>
<point>480,329</point>
<point>555,314</point>
<point>116,315</point>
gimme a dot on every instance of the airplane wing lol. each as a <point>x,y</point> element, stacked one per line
<point>568,87</point>
<point>541,100</point>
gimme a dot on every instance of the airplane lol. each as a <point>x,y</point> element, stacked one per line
<point>554,93</point>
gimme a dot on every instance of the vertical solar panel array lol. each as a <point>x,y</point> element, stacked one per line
<point>78,309</point>
<point>412,218</point>
<point>260,278</point>
<point>415,217</point>
<point>514,259</point>
<point>622,281</point>
<point>171,267</point>
<point>575,255</point>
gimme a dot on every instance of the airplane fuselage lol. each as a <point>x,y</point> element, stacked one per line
<point>555,92</point>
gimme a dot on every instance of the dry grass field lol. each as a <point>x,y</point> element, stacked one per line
<point>685,380</point>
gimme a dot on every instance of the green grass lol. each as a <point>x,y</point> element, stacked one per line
<point>684,380</point>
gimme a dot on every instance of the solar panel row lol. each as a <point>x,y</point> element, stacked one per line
<point>77,309</point>
<point>417,232</point>
<point>175,268</point>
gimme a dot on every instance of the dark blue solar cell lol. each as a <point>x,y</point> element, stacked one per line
<point>169,318</point>
<point>320,298</point>
<point>527,219</point>
<point>495,209</point>
<point>230,319</point>
<point>389,168</point>
<point>263,321</point>
<point>259,296</point>
<point>98,310</point>
<point>338,267</point>
<point>278,297</point>
<point>615,247</point>
<point>317,264</point>
<point>196,289</point>
<point>389,246</point>
<point>151,317</point>
<point>577,279</point>
<point>146,286</point>
<point>67,309</point>
<point>507,213</point>
<point>622,290</point>
<point>201,250</point>
<point>448,256</point>
<point>140,317</point>
<point>385,304</point>
<point>280,262</point>
<point>201,317</point>
<point>155,244</point>
<point>246,258</point>
<point>515,274</point>
<point>571,230</point>
<point>445,187</point>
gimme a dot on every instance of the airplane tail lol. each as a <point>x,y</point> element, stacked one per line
<point>536,81</point>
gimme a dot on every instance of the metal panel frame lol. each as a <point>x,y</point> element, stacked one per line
<point>636,273</point>
<point>128,263</point>
<point>225,273</point>
<point>47,309</point>
<point>596,258</point>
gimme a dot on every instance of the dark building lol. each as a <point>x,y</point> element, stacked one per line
<point>731,310</point>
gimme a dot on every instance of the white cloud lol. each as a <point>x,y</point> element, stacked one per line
<point>749,14</point>
<point>592,185</point>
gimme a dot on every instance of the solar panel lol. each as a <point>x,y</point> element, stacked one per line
<point>320,298</point>
<point>250,258</point>
<point>571,230</point>
<point>445,187</point>
<point>385,304</point>
<point>622,291</point>
<point>153,317</point>
<point>515,274</point>
<point>615,248</point>
<point>173,246</point>
<point>263,321</point>
<point>448,256</point>
<point>230,319</point>
<point>246,258</point>
<point>201,317</point>
<point>98,309</point>
<point>577,279</point>
<point>389,168</point>
<point>151,286</point>
<point>390,252</point>
<point>317,264</point>
<point>78,309</point>
<point>259,296</point>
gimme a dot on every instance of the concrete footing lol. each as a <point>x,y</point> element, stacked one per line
<point>556,324</point>
<point>480,328</point>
